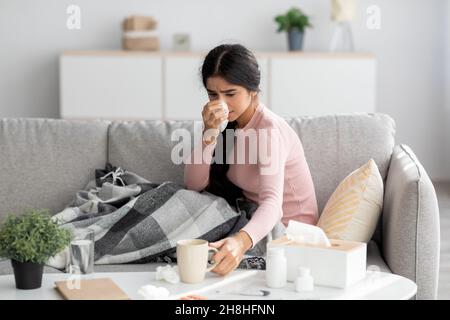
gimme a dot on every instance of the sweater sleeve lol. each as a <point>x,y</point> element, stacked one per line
<point>197,165</point>
<point>271,168</point>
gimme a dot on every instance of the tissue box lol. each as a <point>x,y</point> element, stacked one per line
<point>340,266</point>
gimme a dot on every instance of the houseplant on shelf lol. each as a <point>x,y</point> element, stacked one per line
<point>29,240</point>
<point>294,22</point>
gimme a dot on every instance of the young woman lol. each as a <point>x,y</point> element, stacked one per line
<point>282,186</point>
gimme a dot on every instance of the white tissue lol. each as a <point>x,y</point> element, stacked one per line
<point>306,234</point>
<point>168,273</point>
<point>224,124</point>
<point>150,292</point>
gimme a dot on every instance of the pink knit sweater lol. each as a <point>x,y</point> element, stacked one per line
<point>280,182</point>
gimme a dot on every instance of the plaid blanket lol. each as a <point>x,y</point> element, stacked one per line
<point>137,221</point>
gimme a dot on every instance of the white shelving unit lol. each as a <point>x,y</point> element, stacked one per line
<point>322,84</point>
<point>167,85</point>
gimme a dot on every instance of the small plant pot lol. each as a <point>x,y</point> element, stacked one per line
<point>295,40</point>
<point>28,275</point>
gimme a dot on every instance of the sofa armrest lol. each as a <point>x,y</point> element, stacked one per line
<point>410,223</point>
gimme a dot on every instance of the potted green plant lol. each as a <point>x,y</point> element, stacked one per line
<point>294,22</point>
<point>29,240</point>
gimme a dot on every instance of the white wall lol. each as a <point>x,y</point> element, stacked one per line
<point>446,117</point>
<point>409,49</point>
<point>411,63</point>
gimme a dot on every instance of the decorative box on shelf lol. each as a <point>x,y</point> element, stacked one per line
<point>340,265</point>
<point>139,33</point>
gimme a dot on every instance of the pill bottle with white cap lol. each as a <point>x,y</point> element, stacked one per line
<point>276,267</point>
<point>304,280</point>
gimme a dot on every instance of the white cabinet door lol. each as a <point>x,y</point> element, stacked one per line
<point>111,86</point>
<point>123,85</point>
<point>184,94</point>
<point>319,85</point>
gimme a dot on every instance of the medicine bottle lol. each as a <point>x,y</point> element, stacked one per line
<point>304,280</point>
<point>276,267</point>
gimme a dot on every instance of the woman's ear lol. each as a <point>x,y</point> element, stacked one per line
<point>254,97</point>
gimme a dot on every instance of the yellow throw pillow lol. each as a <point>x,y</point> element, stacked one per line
<point>353,209</point>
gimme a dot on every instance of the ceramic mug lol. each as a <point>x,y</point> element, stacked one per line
<point>192,259</point>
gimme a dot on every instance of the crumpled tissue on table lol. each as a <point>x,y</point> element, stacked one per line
<point>306,234</point>
<point>168,273</point>
<point>150,292</point>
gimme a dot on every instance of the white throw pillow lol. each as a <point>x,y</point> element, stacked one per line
<point>353,210</point>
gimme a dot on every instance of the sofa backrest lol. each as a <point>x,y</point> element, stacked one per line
<point>145,147</point>
<point>334,147</point>
<point>337,145</point>
<point>43,162</point>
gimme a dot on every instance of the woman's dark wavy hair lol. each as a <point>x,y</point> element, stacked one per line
<point>238,66</point>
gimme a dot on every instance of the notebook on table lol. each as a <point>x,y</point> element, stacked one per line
<point>91,289</point>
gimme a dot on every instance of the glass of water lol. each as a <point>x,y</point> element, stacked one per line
<point>82,252</point>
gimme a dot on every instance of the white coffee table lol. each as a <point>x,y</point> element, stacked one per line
<point>376,285</point>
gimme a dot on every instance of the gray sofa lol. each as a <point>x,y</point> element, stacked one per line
<point>43,162</point>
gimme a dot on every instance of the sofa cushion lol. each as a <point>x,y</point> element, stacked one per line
<point>334,146</point>
<point>353,209</point>
<point>145,147</point>
<point>411,237</point>
<point>337,144</point>
<point>375,261</point>
<point>130,267</point>
<point>43,162</point>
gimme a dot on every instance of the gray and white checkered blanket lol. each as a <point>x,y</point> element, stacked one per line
<point>136,221</point>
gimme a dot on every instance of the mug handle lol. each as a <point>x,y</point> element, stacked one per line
<point>208,269</point>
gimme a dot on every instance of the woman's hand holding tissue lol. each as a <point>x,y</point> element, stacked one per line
<point>215,115</point>
<point>231,251</point>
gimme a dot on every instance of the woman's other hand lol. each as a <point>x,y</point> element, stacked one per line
<point>231,251</point>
